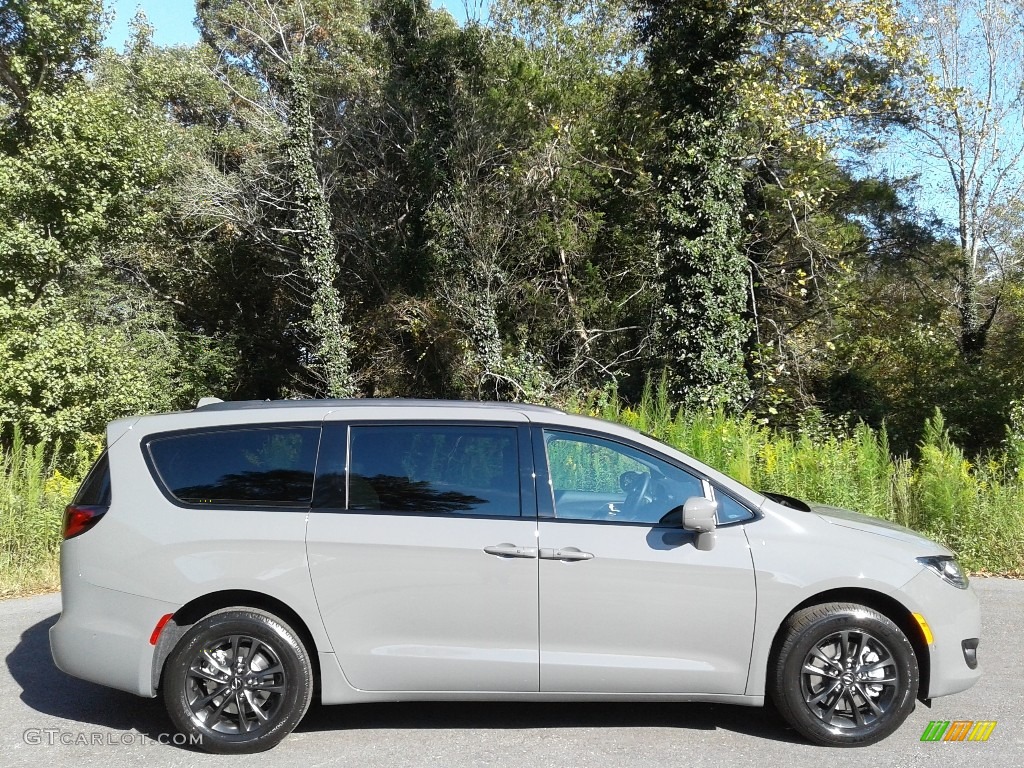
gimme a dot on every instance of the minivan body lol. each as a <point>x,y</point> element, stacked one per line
<point>240,558</point>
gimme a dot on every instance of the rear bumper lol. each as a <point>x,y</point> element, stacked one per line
<point>103,636</point>
<point>954,617</point>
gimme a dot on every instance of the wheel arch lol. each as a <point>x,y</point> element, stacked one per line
<point>204,605</point>
<point>886,605</point>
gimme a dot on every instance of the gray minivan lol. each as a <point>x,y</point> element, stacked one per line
<point>241,558</point>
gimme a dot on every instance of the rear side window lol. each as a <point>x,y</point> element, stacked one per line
<point>95,490</point>
<point>437,469</point>
<point>254,466</point>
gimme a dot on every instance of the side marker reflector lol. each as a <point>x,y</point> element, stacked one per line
<point>925,629</point>
<point>159,628</point>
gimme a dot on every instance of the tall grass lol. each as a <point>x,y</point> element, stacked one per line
<point>33,494</point>
<point>974,508</point>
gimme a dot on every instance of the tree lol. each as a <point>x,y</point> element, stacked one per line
<point>478,178</point>
<point>970,125</point>
<point>589,280</point>
<point>44,45</point>
<point>300,54</point>
<point>817,83</point>
<point>692,49</point>
<point>81,341</point>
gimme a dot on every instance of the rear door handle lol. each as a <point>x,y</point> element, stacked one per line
<point>568,554</point>
<point>510,550</point>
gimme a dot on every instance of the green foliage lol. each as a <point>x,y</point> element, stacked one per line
<point>43,45</point>
<point>81,341</point>
<point>262,38</point>
<point>944,476</point>
<point>74,189</point>
<point>901,371</point>
<point>967,107</point>
<point>818,73</point>
<point>326,328</point>
<point>33,494</point>
<point>65,374</point>
<point>1014,441</point>
<point>285,66</point>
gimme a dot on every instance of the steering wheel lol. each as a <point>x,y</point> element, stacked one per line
<point>636,485</point>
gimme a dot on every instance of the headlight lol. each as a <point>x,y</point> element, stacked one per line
<point>947,568</point>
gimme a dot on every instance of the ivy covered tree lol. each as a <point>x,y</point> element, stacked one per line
<point>693,49</point>
<point>298,56</point>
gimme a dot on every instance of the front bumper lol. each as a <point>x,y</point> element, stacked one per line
<point>954,616</point>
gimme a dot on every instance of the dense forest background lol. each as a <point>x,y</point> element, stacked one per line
<point>807,211</point>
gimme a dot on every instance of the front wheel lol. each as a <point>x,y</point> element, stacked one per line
<point>845,675</point>
<point>238,682</point>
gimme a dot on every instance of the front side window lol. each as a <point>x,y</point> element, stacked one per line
<point>597,479</point>
<point>238,467</point>
<point>439,469</point>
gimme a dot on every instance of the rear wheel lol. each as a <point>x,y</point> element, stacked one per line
<point>845,675</point>
<point>238,682</point>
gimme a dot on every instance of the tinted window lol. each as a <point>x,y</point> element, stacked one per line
<point>435,469</point>
<point>329,490</point>
<point>597,479</point>
<point>271,466</point>
<point>95,490</point>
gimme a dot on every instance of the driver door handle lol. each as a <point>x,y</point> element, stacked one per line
<point>567,554</point>
<point>510,550</point>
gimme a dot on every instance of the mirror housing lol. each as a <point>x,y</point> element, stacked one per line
<point>699,516</point>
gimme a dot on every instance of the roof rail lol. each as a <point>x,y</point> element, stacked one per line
<point>215,404</point>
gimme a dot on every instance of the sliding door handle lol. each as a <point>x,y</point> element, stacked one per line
<point>566,554</point>
<point>510,550</point>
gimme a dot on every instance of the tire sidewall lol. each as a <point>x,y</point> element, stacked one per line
<point>284,643</point>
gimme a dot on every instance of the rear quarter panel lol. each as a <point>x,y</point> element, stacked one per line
<point>150,547</point>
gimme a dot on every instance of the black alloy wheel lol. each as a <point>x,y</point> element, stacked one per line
<point>238,682</point>
<point>845,675</point>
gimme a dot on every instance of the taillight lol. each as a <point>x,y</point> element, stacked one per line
<point>79,518</point>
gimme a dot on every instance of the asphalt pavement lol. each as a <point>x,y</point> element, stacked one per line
<point>48,718</point>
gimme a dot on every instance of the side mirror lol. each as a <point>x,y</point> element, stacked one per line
<point>699,517</point>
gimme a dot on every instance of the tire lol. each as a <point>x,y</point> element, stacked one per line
<point>845,675</point>
<point>238,682</point>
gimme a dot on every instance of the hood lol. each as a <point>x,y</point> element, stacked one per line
<point>845,518</point>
